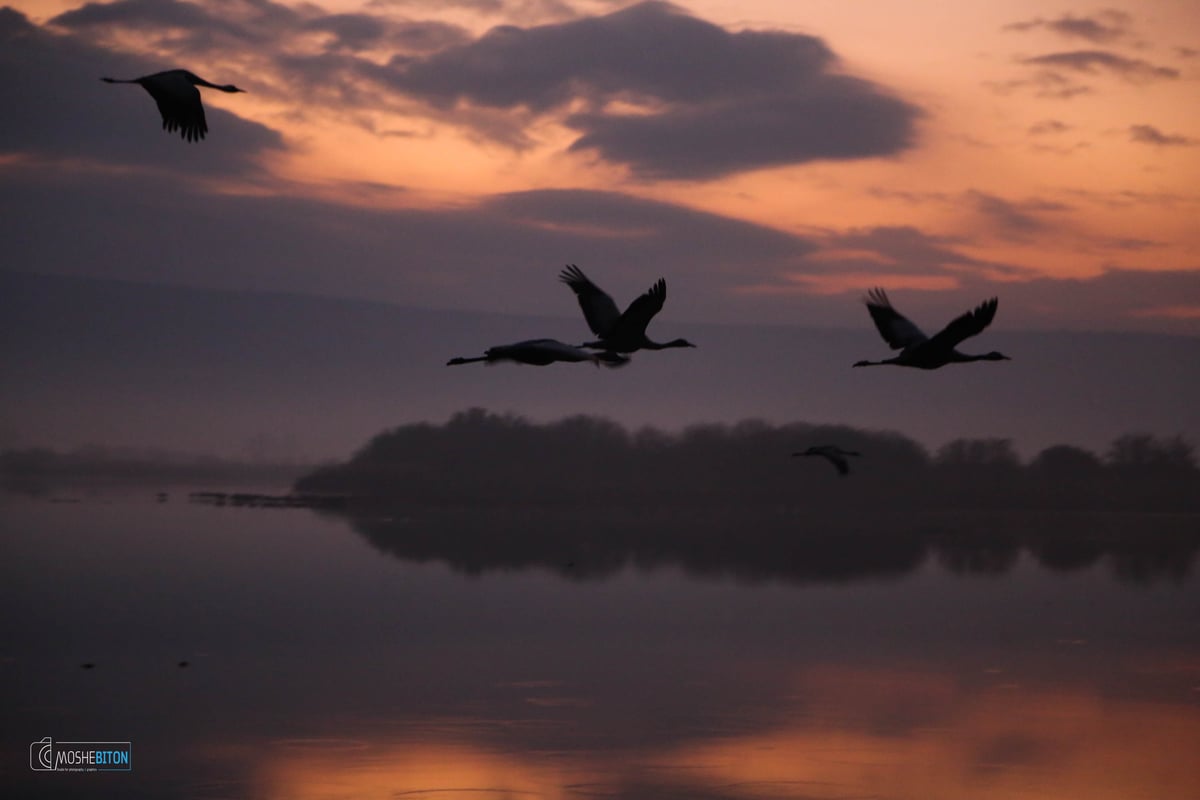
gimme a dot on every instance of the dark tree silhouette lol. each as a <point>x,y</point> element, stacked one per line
<point>1148,453</point>
<point>994,454</point>
<point>1066,461</point>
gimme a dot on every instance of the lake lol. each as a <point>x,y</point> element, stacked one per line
<point>286,653</point>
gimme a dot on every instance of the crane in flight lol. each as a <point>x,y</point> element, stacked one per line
<point>619,332</point>
<point>927,352</point>
<point>833,454</point>
<point>178,100</point>
<point>541,352</point>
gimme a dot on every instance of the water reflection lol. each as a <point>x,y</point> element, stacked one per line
<point>319,669</point>
<point>786,543</point>
<point>878,734</point>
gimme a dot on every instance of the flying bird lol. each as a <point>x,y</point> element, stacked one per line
<point>927,352</point>
<point>619,333</point>
<point>541,352</point>
<point>834,454</point>
<point>178,100</point>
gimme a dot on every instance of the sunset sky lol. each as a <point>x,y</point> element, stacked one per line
<point>771,159</point>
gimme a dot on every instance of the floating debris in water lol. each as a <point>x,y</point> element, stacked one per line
<point>248,500</point>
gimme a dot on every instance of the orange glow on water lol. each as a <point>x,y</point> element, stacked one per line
<point>888,734</point>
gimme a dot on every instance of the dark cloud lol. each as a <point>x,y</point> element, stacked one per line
<point>709,102</point>
<point>352,31</point>
<point>937,260</point>
<point>61,109</point>
<point>144,15</point>
<point>842,118</point>
<point>511,9</point>
<point>500,253</point>
<point>1129,198</point>
<point>1047,135</point>
<point>651,50</point>
<point>357,32</point>
<point>1013,220</point>
<point>1044,83</point>
<point>649,87</point>
<point>1099,61</point>
<point>1056,74</point>
<point>1114,299</point>
<point>1148,134</point>
<point>184,27</point>
<point>1105,26</point>
<point>909,197</point>
<point>281,30</point>
<point>302,55</point>
<point>481,6</point>
<point>1132,244</point>
<point>1048,126</point>
<point>903,250</point>
<point>846,258</point>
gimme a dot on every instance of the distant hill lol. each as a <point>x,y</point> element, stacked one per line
<point>299,378</point>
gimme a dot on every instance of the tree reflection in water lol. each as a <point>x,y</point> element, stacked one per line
<point>785,545</point>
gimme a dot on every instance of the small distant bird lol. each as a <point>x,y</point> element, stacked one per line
<point>927,352</point>
<point>541,352</point>
<point>620,333</point>
<point>178,100</point>
<point>87,665</point>
<point>184,664</point>
<point>834,454</point>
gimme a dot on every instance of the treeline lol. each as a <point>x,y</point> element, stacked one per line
<point>39,470</point>
<point>480,458</point>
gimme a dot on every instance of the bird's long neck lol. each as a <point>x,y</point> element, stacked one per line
<point>198,81</point>
<point>877,363</point>
<point>454,361</point>
<point>649,344</point>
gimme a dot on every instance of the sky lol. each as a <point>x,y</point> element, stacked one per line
<point>771,159</point>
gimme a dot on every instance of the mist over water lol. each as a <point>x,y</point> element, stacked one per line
<point>305,379</point>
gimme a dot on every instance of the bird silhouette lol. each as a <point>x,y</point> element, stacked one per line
<point>541,352</point>
<point>834,454</point>
<point>178,100</point>
<point>927,352</point>
<point>619,333</point>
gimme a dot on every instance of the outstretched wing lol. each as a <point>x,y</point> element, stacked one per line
<point>832,454</point>
<point>895,328</point>
<point>178,103</point>
<point>599,309</point>
<point>966,325</point>
<point>635,319</point>
<point>839,463</point>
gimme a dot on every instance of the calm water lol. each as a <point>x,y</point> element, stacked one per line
<point>326,663</point>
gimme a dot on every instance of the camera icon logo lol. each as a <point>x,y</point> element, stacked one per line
<point>41,755</point>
